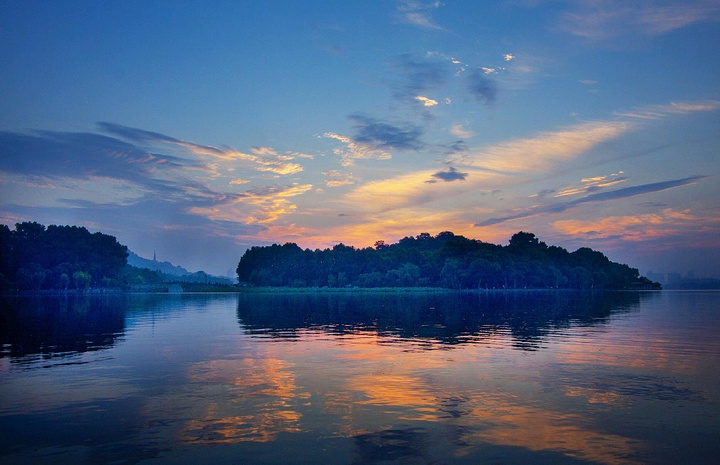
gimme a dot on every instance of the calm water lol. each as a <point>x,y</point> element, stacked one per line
<point>506,378</point>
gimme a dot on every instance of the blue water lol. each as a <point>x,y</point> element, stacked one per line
<point>407,378</point>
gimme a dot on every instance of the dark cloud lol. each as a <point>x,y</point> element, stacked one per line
<point>418,76</point>
<point>384,135</point>
<point>598,197</point>
<point>134,134</point>
<point>86,155</point>
<point>448,176</point>
<point>143,136</point>
<point>483,88</point>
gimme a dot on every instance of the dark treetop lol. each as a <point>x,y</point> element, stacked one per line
<point>34,257</point>
<point>445,260</point>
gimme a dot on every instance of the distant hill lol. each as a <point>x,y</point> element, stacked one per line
<point>173,272</point>
<point>163,267</point>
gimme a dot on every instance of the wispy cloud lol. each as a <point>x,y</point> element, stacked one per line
<point>616,18</point>
<point>418,13</point>
<point>411,190</point>
<point>354,150</point>
<point>459,130</point>
<point>86,155</point>
<point>260,205</point>
<point>638,228</point>
<point>265,159</point>
<point>655,112</point>
<point>337,178</point>
<point>543,150</point>
<point>592,184</point>
<point>596,197</point>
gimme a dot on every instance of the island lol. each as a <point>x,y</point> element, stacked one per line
<point>446,260</point>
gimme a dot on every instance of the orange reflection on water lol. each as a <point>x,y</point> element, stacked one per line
<point>538,429</point>
<point>260,427</point>
<point>486,416</point>
<point>264,386</point>
<point>397,391</point>
<point>629,351</point>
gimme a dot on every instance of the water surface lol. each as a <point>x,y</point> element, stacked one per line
<point>507,377</point>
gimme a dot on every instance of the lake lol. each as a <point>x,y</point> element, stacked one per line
<point>355,377</point>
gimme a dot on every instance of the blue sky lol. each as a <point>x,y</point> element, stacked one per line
<point>198,129</point>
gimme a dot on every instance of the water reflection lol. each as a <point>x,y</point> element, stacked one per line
<point>392,445</point>
<point>50,328</point>
<point>548,377</point>
<point>433,320</point>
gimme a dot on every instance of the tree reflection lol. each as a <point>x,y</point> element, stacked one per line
<point>45,327</point>
<point>391,445</point>
<point>434,319</point>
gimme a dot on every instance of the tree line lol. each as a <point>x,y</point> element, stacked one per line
<point>34,257</point>
<point>446,260</point>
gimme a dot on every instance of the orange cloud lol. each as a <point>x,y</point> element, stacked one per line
<point>538,153</point>
<point>650,226</point>
<point>255,206</point>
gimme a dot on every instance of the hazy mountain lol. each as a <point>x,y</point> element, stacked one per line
<point>163,267</point>
<point>174,272</point>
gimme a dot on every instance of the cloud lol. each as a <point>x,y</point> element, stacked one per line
<point>416,76</point>
<point>448,176</point>
<point>384,136</point>
<point>655,112</point>
<point>62,191</point>
<point>592,184</point>
<point>508,57</point>
<point>339,182</point>
<point>86,155</point>
<point>638,228</point>
<point>261,205</point>
<point>337,179</point>
<point>411,190</point>
<point>459,131</point>
<point>458,146</point>
<point>400,191</point>
<point>355,150</point>
<point>543,150</point>
<point>265,158</point>
<point>427,102</point>
<point>483,88</point>
<point>418,13</point>
<point>616,18</point>
<point>597,197</point>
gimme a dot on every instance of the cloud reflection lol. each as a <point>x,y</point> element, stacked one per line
<point>253,401</point>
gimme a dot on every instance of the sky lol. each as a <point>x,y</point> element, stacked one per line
<point>198,129</point>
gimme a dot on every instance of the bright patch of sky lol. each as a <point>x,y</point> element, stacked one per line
<point>200,129</point>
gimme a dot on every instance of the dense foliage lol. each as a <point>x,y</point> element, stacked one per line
<point>34,257</point>
<point>445,260</point>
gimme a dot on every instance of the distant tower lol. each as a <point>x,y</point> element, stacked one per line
<point>154,256</point>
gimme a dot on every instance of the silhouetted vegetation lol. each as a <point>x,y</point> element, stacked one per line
<point>445,260</point>
<point>33,257</point>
